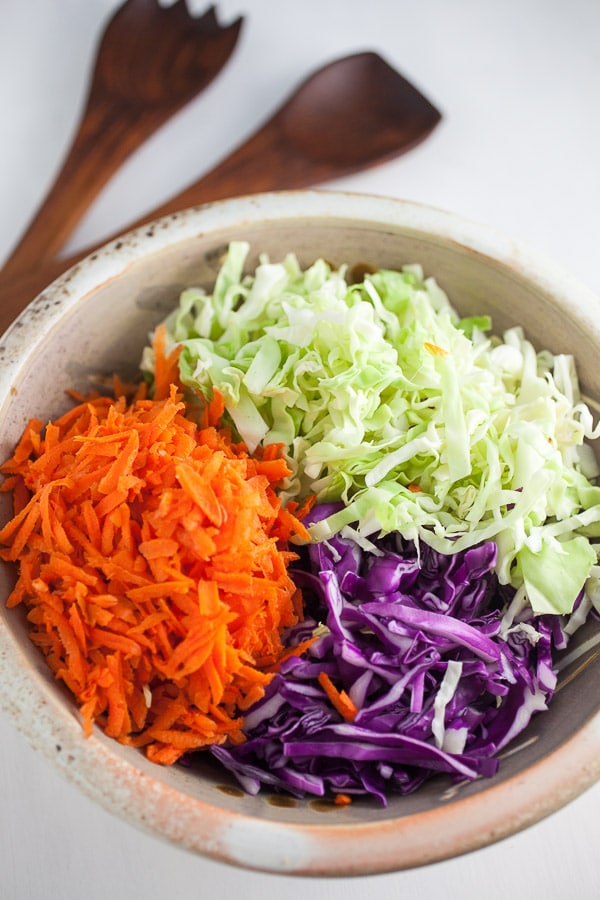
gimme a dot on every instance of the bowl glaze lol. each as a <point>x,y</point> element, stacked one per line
<point>95,320</point>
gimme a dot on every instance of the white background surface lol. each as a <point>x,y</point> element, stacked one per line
<point>518,83</point>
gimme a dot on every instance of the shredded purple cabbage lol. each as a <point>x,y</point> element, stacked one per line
<point>417,641</point>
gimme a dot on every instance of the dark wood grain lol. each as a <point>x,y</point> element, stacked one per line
<point>354,113</point>
<point>150,62</point>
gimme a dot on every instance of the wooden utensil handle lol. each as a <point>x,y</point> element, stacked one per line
<point>260,164</point>
<point>102,144</point>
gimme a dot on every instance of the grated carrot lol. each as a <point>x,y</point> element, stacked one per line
<point>434,349</point>
<point>153,559</point>
<point>339,699</point>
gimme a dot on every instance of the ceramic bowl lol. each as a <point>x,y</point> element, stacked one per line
<point>95,319</point>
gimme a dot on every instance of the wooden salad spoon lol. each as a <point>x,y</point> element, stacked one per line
<point>350,115</point>
<point>150,62</point>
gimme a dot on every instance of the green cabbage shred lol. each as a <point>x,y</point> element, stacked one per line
<point>419,421</point>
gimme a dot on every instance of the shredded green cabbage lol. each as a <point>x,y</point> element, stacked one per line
<point>419,421</point>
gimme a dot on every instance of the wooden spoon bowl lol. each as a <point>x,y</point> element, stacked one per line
<point>353,113</point>
<point>376,110</point>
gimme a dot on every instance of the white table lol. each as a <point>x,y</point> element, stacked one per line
<point>518,83</point>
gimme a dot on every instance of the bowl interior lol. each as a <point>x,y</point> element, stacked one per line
<point>103,332</point>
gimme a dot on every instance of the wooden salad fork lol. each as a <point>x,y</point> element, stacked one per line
<point>150,62</point>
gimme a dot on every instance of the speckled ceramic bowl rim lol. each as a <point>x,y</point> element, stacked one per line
<point>340,850</point>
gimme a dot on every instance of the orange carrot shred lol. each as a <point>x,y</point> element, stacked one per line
<point>306,507</point>
<point>298,650</point>
<point>153,558</point>
<point>166,368</point>
<point>216,408</point>
<point>339,699</point>
<point>435,350</point>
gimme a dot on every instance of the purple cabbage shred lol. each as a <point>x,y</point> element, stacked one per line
<point>416,639</point>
